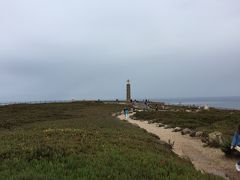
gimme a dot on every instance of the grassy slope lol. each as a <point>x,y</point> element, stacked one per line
<point>82,140</point>
<point>225,121</point>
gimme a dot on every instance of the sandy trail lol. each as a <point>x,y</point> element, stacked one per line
<point>205,159</point>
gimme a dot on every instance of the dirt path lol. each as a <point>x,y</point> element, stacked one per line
<point>205,159</point>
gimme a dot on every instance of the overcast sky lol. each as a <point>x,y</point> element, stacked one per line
<point>64,49</point>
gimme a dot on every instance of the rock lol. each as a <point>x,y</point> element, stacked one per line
<point>215,138</point>
<point>167,127</point>
<point>193,133</point>
<point>160,125</point>
<point>150,122</point>
<point>186,131</point>
<point>134,118</point>
<point>199,134</point>
<point>204,139</point>
<point>177,129</point>
<point>157,124</point>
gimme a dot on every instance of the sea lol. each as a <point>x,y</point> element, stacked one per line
<point>216,102</point>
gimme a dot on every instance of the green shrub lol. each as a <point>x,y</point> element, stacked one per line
<point>226,147</point>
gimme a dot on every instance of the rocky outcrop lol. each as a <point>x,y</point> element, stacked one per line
<point>199,134</point>
<point>186,131</point>
<point>150,121</point>
<point>134,118</point>
<point>167,127</point>
<point>193,133</point>
<point>215,138</point>
<point>160,125</point>
<point>177,129</point>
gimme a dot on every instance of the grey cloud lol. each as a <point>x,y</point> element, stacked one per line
<point>87,49</point>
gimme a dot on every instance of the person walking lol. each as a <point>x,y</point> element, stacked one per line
<point>146,104</point>
<point>236,145</point>
<point>126,112</point>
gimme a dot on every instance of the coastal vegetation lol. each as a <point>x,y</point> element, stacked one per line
<point>82,140</point>
<point>215,126</point>
<point>210,120</point>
